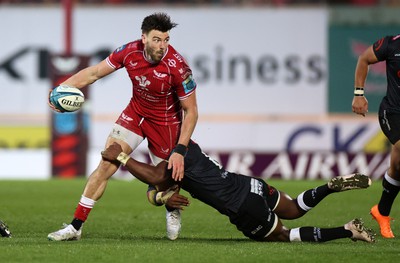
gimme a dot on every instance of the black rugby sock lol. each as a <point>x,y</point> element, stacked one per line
<point>316,234</point>
<point>310,198</point>
<point>388,196</point>
<point>76,223</point>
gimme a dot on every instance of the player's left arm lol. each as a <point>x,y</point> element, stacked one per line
<point>89,75</point>
<point>190,116</point>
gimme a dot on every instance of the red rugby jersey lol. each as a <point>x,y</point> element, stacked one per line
<point>156,88</point>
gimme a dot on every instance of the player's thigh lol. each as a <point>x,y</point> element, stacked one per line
<point>280,202</point>
<point>161,139</point>
<point>128,139</point>
<point>287,208</point>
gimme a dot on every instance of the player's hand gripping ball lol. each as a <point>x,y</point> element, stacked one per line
<point>67,99</point>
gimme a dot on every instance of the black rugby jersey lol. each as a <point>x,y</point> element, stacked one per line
<point>209,182</point>
<point>388,49</point>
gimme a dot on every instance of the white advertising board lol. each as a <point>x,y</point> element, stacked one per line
<point>289,149</point>
<point>248,61</point>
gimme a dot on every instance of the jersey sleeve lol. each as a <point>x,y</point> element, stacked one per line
<point>381,47</point>
<point>116,59</point>
<point>183,80</point>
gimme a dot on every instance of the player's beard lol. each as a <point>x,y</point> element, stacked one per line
<point>154,55</point>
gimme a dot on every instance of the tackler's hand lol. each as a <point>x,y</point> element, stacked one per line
<point>177,201</point>
<point>112,152</point>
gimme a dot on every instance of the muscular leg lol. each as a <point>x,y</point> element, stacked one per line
<point>391,182</point>
<point>257,221</point>
<point>96,185</point>
<point>97,181</point>
<point>354,229</point>
<point>289,208</point>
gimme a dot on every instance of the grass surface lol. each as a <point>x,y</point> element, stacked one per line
<point>124,227</point>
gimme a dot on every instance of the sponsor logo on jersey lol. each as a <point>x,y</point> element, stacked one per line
<point>165,151</point>
<point>159,75</point>
<point>189,84</point>
<point>257,229</point>
<point>126,117</point>
<point>132,65</point>
<point>143,81</point>
<point>256,187</point>
<point>172,63</point>
<point>115,131</point>
<point>120,49</point>
<point>178,57</point>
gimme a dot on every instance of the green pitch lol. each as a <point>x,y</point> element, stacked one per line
<point>124,227</point>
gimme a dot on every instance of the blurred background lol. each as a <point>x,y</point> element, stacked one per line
<point>275,83</point>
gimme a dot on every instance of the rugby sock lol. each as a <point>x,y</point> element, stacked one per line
<point>391,188</point>
<point>77,223</point>
<point>310,198</point>
<point>82,212</point>
<point>316,234</point>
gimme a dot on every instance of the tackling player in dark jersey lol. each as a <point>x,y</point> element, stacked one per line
<point>386,49</point>
<point>250,203</point>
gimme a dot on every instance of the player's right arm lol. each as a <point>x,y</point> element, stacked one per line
<point>86,77</point>
<point>360,102</point>
<point>89,75</point>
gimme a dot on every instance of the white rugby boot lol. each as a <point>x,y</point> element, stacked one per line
<point>67,233</point>
<point>360,232</point>
<point>173,223</point>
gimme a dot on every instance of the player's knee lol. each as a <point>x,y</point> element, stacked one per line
<point>280,234</point>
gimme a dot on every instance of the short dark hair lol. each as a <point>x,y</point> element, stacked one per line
<point>157,21</point>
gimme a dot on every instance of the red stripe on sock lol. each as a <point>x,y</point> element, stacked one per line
<point>82,212</point>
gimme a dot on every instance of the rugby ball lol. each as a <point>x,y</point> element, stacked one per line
<point>67,99</point>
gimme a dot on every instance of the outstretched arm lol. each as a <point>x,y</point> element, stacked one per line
<point>86,77</point>
<point>154,175</point>
<point>89,75</point>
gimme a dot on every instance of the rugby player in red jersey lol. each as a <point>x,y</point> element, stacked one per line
<point>162,109</point>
